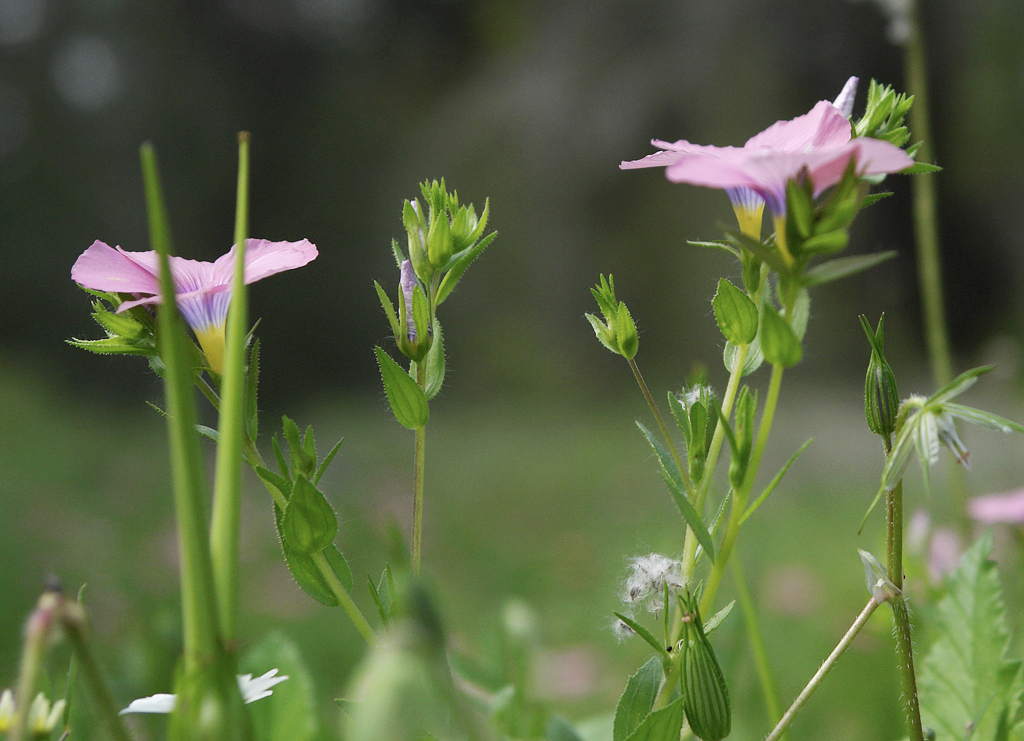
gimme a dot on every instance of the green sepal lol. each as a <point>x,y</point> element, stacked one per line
<point>408,402</point>
<point>250,405</point>
<point>723,246</point>
<point>674,480</point>
<point>435,363</point>
<point>383,593</point>
<point>122,325</point>
<point>309,523</point>
<point>280,483</point>
<point>301,450</point>
<point>115,346</point>
<point>778,341</point>
<point>462,261</point>
<point>282,465</point>
<point>826,243</point>
<point>641,631</point>
<point>800,206</point>
<point>717,618</point>
<point>439,242</point>
<point>326,462</point>
<point>397,252</point>
<point>664,724</point>
<point>637,699</point>
<point>389,310</point>
<point>735,313</point>
<point>843,267</point>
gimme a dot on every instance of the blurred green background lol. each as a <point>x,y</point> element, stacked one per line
<point>538,485</point>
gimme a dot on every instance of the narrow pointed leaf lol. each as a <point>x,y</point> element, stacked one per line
<point>643,633</point>
<point>435,364</point>
<point>637,698</point>
<point>450,280</point>
<point>843,267</point>
<point>775,481</point>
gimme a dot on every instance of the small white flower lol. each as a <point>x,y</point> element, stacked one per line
<point>6,710</point>
<point>41,717</point>
<point>252,690</point>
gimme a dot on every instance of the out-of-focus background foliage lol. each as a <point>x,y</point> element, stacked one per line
<point>538,485</point>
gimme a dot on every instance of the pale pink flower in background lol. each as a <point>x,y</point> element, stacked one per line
<point>203,288</point>
<point>992,509</point>
<point>817,145</point>
<point>944,553</point>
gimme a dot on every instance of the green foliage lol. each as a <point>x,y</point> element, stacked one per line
<point>408,402</point>
<point>637,699</point>
<point>969,689</point>
<point>778,341</point>
<point>661,725</point>
<point>618,331</point>
<point>735,313</point>
<point>308,524</point>
<point>705,693</point>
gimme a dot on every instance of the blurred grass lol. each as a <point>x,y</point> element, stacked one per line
<point>541,502</point>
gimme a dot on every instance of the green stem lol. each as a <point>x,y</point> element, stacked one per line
<point>740,497</point>
<point>199,613</point>
<point>227,488</point>
<point>764,674</point>
<point>418,476</point>
<point>74,622</point>
<point>825,668</point>
<point>925,205</point>
<point>687,484</point>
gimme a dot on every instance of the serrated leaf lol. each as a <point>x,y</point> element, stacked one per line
<point>735,313</point>
<point>843,267</point>
<point>309,523</point>
<point>778,341</point>
<point>637,699</point>
<point>408,402</point>
<point>661,725</point>
<point>674,480</point>
<point>965,677</point>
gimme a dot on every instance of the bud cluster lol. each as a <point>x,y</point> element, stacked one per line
<point>618,331</point>
<point>696,413</point>
<point>881,395</point>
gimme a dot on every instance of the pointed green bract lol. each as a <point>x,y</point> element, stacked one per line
<point>435,362</point>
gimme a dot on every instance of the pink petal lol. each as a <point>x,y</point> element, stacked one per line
<point>996,508</point>
<point>822,126</point>
<point>264,258</point>
<point>104,268</point>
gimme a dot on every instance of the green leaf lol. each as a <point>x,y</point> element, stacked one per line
<point>674,480</point>
<point>408,402</point>
<point>462,261</point>
<point>308,524</point>
<point>435,364</point>
<point>775,481</point>
<point>637,699</point>
<point>643,633</point>
<point>559,729</point>
<point>752,361</point>
<point>735,313</point>
<point>339,566</point>
<point>965,677</point>
<point>778,342</point>
<point>834,241</point>
<point>724,246</point>
<point>302,462</point>
<point>843,267</point>
<point>280,483</point>
<point>718,617</point>
<point>661,725</point>
<point>389,310</point>
<point>326,462</point>
<point>292,713</point>
<point>383,594</point>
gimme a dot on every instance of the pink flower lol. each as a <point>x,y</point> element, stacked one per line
<point>203,288</point>
<point>818,143</point>
<point>995,508</point>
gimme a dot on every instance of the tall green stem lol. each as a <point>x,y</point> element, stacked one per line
<point>764,674</point>
<point>227,489</point>
<point>418,476</point>
<point>925,205</point>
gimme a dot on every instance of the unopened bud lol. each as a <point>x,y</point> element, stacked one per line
<point>881,395</point>
<point>705,693</point>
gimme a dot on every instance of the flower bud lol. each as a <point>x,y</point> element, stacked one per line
<point>414,335</point>
<point>705,693</point>
<point>881,395</point>
<point>439,242</point>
